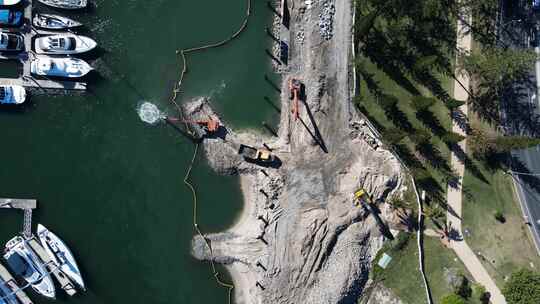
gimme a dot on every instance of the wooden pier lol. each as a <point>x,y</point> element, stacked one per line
<point>52,267</point>
<point>11,284</point>
<point>25,57</point>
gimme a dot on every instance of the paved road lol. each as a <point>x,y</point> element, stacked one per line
<point>454,194</point>
<point>528,196</point>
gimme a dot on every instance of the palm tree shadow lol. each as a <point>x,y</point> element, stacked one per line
<point>469,163</point>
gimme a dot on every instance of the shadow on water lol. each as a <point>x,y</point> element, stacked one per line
<point>95,54</point>
<point>272,84</point>
<point>17,109</point>
<point>183,132</point>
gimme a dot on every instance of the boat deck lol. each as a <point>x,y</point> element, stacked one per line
<point>12,285</point>
<point>65,283</point>
<point>26,79</point>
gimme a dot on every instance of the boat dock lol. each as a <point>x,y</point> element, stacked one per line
<point>25,58</point>
<point>27,205</point>
<point>16,203</point>
<point>52,268</point>
<point>12,285</point>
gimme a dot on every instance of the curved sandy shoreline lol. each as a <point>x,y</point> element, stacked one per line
<point>242,278</point>
<point>243,220</point>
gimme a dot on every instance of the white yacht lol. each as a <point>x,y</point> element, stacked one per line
<point>9,2</point>
<point>6,294</point>
<point>54,22</point>
<point>64,44</point>
<point>59,67</point>
<point>12,94</point>
<point>11,42</point>
<point>66,4</point>
<point>10,18</point>
<point>24,262</point>
<point>60,254</point>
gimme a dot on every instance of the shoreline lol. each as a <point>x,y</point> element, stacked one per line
<point>242,220</point>
<point>291,241</point>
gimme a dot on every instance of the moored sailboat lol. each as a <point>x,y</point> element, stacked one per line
<point>60,254</point>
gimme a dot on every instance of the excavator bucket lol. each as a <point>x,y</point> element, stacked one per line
<point>362,196</point>
<point>212,124</point>
<point>359,193</point>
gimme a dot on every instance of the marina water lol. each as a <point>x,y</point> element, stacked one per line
<point>111,185</point>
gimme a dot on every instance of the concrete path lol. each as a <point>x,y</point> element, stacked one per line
<point>454,199</point>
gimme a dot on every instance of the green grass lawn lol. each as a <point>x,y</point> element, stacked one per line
<point>504,247</point>
<point>369,105</point>
<point>403,277</point>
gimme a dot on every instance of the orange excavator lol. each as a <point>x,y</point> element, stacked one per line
<point>211,124</point>
<point>295,88</point>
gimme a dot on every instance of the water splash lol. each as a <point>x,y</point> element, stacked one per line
<point>150,114</point>
<point>217,92</point>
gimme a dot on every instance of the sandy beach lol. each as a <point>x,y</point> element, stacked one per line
<point>245,223</point>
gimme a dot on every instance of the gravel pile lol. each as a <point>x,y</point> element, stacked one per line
<point>326,19</point>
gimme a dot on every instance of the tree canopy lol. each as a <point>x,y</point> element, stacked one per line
<point>452,299</point>
<point>523,288</point>
<point>494,71</point>
<point>483,144</point>
<point>499,67</point>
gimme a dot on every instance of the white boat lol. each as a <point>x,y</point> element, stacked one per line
<point>54,22</point>
<point>10,18</point>
<point>9,2</point>
<point>24,262</point>
<point>59,67</point>
<point>65,4</point>
<point>11,42</point>
<point>12,94</point>
<point>64,44</point>
<point>6,294</point>
<point>60,254</point>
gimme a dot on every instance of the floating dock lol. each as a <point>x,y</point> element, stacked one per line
<point>52,268</point>
<point>27,205</point>
<point>25,57</point>
<point>16,203</point>
<point>12,285</point>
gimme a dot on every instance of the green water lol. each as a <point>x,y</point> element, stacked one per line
<point>110,185</point>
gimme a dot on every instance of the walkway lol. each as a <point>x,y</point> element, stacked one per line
<point>454,199</point>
